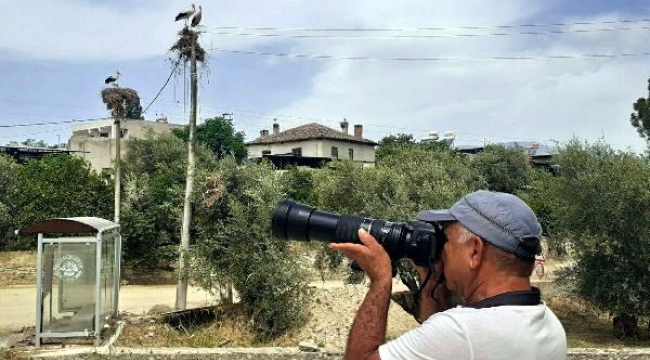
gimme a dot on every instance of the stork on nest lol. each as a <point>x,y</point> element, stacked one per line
<point>113,79</point>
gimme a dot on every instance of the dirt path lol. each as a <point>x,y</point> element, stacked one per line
<point>18,303</point>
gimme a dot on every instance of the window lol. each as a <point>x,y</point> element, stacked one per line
<point>351,154</point>
<point>296,151</point>
<point>335,152</point>
<point>266,152</point>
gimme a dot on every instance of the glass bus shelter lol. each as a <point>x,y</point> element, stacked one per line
<point>77,276</point>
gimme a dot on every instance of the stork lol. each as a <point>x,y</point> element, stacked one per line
<point>112,79</point>
<point>197,17</point>
<point>185,14</point>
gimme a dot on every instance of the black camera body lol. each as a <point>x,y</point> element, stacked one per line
<point>419,241</point>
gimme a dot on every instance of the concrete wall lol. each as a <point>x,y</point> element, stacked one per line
<point>317,148</point>
<point>96,139</point>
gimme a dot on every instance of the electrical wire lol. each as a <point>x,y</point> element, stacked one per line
<point>475,27</point>
<point>433,59</point>
<point>49,123</point>
<point>427,36</point>
<point>162,88</point>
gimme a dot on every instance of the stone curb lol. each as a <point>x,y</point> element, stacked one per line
<point>280,354</point>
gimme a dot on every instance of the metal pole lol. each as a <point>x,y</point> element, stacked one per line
<point>181,290</point>
<point>118,177</point>
<point>98,289</point>
<point>39,293</point>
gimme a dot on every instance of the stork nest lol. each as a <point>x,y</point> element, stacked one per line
<point>183,47</point>
<point>117,100</point>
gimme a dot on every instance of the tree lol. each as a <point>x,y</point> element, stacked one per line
<point>58,186</point>
<point>640,118</point>
<point>8,196</point>
<point>391,144</point>
<point>34,143</point>
<point>218,134</point>
<point>153,171</point>
<point>235,247</point>
<point>604,212</point>
<point>504,169</point>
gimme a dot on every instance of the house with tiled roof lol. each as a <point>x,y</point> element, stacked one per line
<point>312,145</point>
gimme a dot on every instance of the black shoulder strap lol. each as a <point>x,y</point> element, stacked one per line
<point>530,297</point>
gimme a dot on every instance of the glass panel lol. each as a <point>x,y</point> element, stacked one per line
<point>68,287</point>
<point>107,275</point>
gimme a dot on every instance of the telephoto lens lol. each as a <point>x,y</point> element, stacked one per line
<point>417,240</point>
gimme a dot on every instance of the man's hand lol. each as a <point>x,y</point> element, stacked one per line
<point>441,299</point>
<point>370,256</point>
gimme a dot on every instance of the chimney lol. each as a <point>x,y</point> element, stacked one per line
<point>162,120</point>
<point>344,126</point>
<point>264,133</point>
<point>276,127</point>
<point>358,131</point>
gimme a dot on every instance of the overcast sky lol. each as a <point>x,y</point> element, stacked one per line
<point>54,56</point>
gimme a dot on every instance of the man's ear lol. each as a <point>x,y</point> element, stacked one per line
<point>475,249</point>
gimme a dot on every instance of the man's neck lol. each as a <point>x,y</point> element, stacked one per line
<point>495,286</point>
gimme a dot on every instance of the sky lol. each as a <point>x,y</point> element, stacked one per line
<point>55,55</point>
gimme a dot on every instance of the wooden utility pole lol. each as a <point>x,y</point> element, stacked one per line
<point>118,177</point>
<point>181,290</point>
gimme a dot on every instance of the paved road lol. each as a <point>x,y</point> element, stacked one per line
<point>18,303</point>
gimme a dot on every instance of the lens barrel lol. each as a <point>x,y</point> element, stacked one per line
<point>294,221</point>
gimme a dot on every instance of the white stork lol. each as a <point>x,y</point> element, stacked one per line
<point>185,14</point>
<point>197,17</point>
<point>112,79</point>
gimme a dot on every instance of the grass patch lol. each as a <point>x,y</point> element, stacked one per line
<point>587,327</point>
<point>229,329</point>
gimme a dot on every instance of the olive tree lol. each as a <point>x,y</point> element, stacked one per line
<point>8,194</point>
<point>153,171</point>
<point>604,211</point>
<point>235,247</point>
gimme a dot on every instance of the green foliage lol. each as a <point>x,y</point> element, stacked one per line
<point>640,118</point>
<point>236,247</point>
<point>603,208</point>
<point>298,184</point>
<point>504,169</point>
<point>58,186</point>
<point>154,170</point>
<point>393,144</point>
<point>8,197</point>
<point>34,143</point>
<point>218,134</point>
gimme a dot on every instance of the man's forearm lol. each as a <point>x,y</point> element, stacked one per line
<point>368,330</point>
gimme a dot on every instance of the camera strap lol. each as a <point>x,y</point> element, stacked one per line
<point>521,298</point>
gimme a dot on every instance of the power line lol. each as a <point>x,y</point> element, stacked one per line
<point>432,59</point>
<point>34,133</point>
<point>48,123</point>
<point>427,36</point>
<point>162,88</point>
<point>475,27</point>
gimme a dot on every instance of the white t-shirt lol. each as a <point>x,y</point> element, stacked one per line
<point>501,332</point>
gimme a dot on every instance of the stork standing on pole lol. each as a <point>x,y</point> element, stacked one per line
<point>196,19</point>
<point>112,79</point>
<point>186,14</point>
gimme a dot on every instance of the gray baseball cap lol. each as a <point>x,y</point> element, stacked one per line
<point>503,220</point>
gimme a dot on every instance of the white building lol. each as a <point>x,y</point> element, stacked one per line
<point>95,140</point>
<point>307,144</point>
